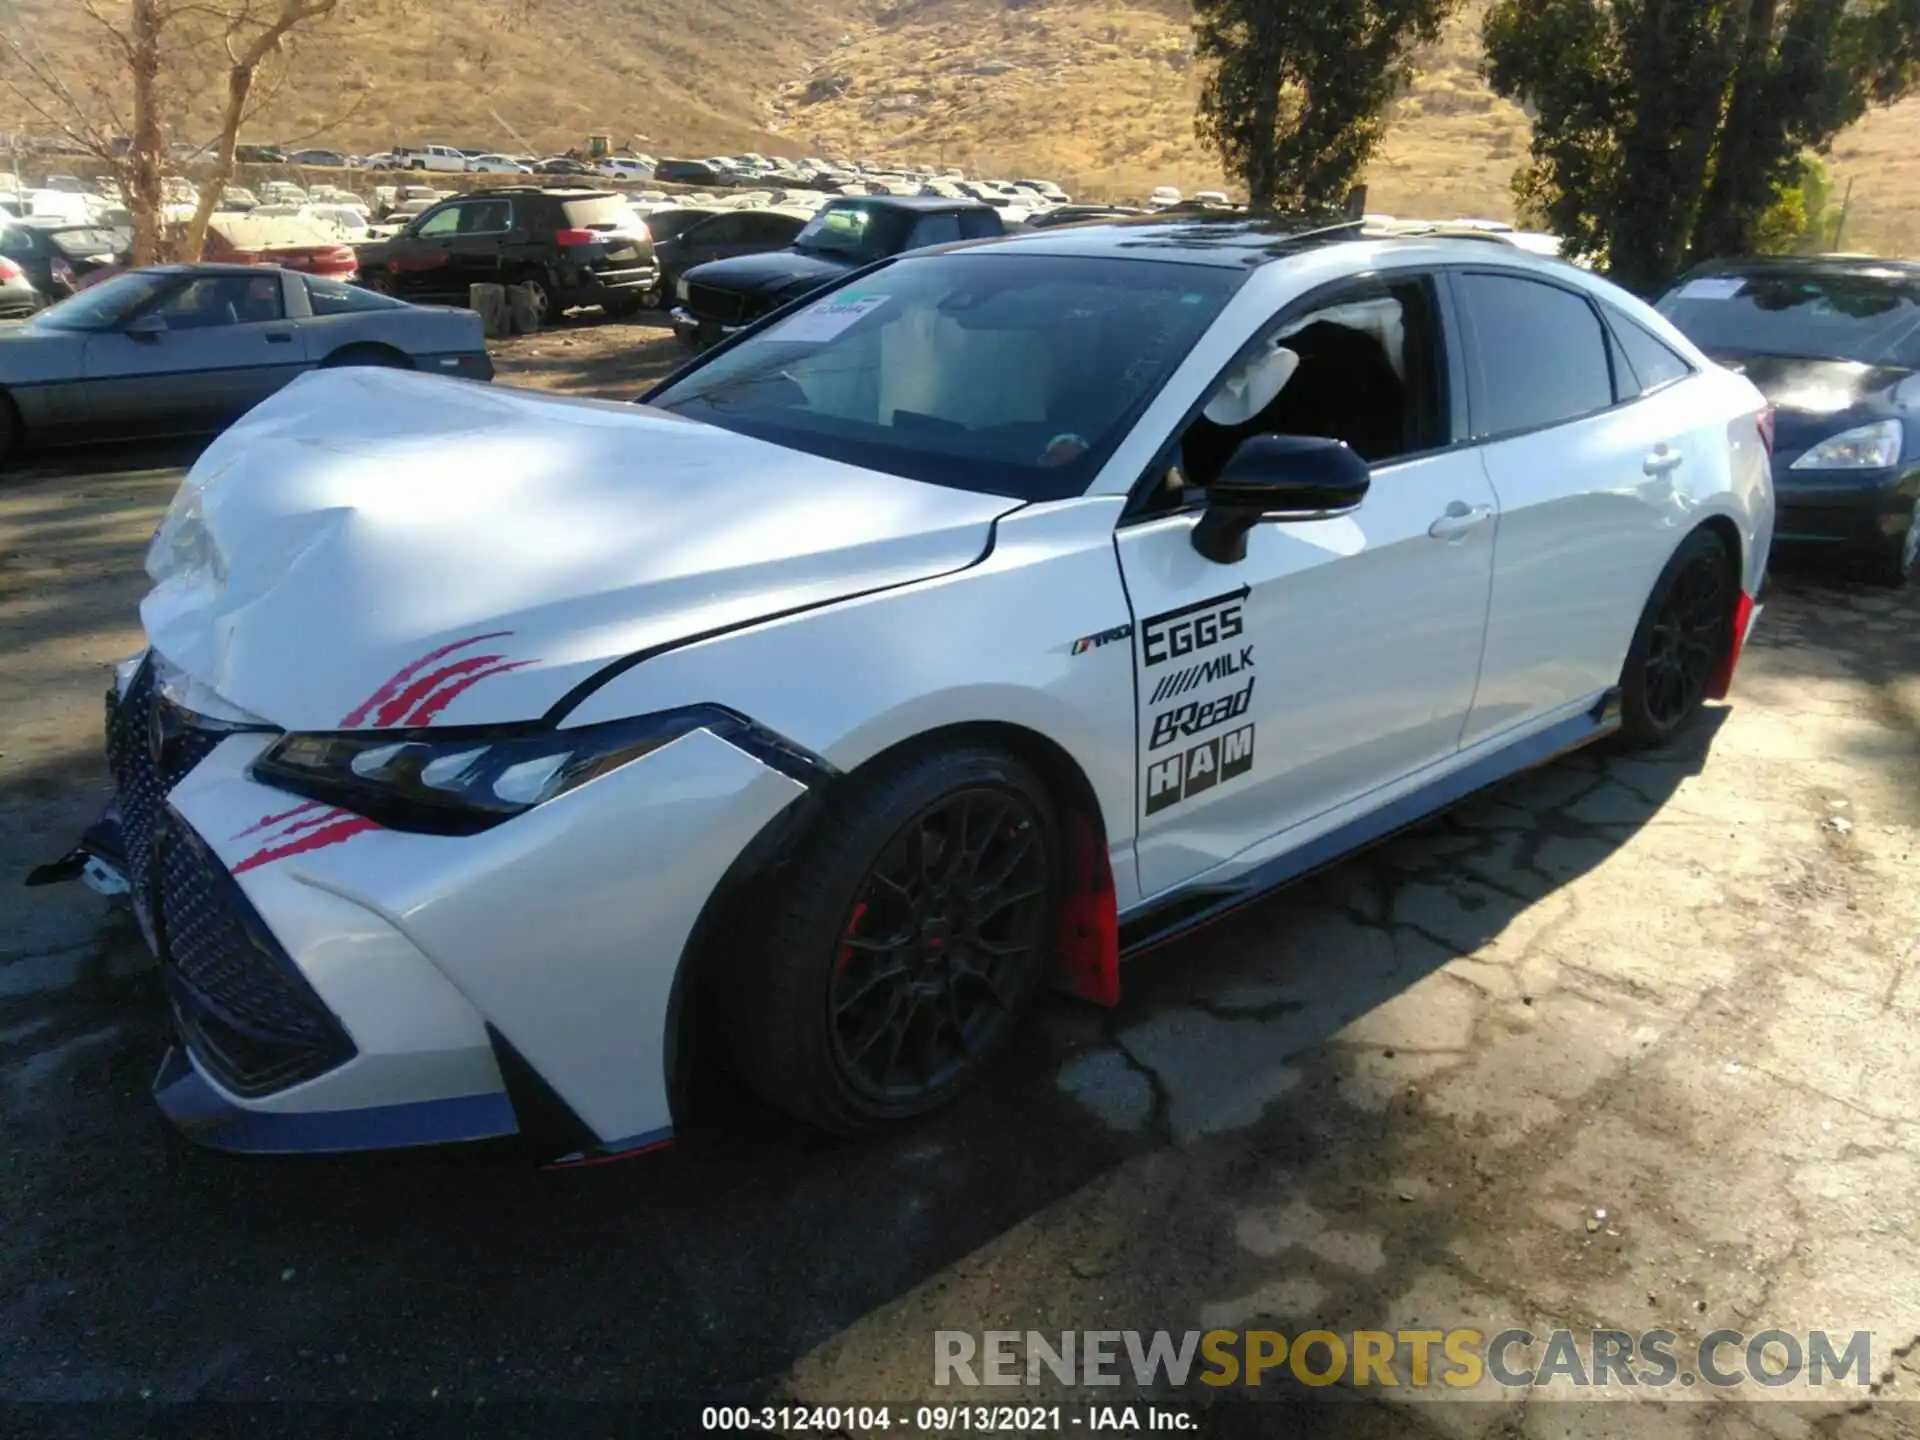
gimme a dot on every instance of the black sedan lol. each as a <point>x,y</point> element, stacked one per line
<point>184,349</point>
<point>721,235</point>
<point>1834,342</point>
<point>57,254</point>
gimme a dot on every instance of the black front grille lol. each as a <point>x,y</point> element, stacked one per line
<point>709,302</point>
<point>246,1011</point>
<point>143,778</point>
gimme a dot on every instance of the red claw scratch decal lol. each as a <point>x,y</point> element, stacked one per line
<point>300,832</point>
<point>411,696</point>
<point>413,687</point>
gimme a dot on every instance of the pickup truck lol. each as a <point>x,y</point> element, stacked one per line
<point>430,157</point>
<point>722,296</point>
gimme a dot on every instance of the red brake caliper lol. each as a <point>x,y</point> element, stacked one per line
<point>844,960</point>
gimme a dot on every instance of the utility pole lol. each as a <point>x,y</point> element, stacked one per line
<point>1846,204</point>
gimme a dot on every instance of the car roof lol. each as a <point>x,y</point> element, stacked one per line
<point>1230,239</point>
<point>1858,266</point>
<point>208,267</point>
<point>915,202</point>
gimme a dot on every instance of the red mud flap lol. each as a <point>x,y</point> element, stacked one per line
<point>1746,614</point>
<point>1087,949</point>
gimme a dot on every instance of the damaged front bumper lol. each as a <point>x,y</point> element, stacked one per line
<point>339,986</point>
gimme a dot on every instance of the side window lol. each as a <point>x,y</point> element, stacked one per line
<point>979,224</point>
<point>1542,353</point>
<point>440,224</point>
<point>330,297</point>
<point>18,240</point>
<point>1363,366</point>
<point>217,300</point>
<point>770,229</point>
<point>934,230</point>
<point>724,230</point>
<point>486,217</point>
<point>1655,365</point>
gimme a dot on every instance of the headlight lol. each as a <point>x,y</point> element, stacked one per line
<point>680,289</point>
<point>1869,447</point>
<point>183,548</point>
<point>462,782</point>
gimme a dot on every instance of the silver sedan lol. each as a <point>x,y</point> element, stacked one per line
<point>186,349</point>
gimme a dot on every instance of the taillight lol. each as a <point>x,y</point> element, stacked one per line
<point>9,270</point>
<point>575,237</point>
<point>1765,421</point>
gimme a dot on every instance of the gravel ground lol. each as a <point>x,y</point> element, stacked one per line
<point>1680,989</point>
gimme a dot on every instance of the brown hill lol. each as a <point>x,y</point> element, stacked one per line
<point>1095,93</point>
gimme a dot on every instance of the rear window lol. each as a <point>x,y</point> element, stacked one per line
<point>331,297</point>
<point>1874,319</point>
<point>85,242</point>
<point>601,212</point>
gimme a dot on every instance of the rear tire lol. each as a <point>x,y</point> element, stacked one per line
<point>1682,639</point>
<point>544,309</point>
<point>905,943</point>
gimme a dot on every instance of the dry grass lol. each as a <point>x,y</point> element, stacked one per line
<point>1098,94</point>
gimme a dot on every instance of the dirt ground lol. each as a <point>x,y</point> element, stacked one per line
<point>1625,1043</point>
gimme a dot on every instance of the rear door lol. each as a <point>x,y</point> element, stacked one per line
<point>228,345</point>
<point>1339,655</point>
<point>1586,469</point>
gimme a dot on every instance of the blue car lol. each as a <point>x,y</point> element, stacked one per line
<point>1834,343</point>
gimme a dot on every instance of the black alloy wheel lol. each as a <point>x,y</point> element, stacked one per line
<point>881,969</point>
<point>941,947</point>
<point>1683,638</point>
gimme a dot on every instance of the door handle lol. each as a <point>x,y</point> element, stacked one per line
<point>1459,519</point>
<point>279,337</point>
<point>1663,461</point>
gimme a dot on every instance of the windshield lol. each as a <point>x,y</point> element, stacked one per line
<point>1873,319</point>
<point>856,232</point>
<point>103,306</point>
<point>1012,374</point>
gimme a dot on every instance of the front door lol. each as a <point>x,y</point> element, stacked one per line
<point>1340,654</point>
<point>227,345</point>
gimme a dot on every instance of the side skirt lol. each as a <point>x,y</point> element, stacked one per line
<point>1185,911</point>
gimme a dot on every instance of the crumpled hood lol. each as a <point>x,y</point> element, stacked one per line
<point>376,549</point>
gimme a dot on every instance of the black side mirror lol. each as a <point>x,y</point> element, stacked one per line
<point>150,326</point>
<point>1277,477</point>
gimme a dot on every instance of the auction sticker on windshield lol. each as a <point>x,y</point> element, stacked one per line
<point>1718,288</point>
<point>824,321</point>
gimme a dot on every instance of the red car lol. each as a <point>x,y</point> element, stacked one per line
<point>289,242</point>
<point>286,241</point>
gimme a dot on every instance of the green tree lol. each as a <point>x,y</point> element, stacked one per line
<point>1297,91</point>
<point>1672,131</point>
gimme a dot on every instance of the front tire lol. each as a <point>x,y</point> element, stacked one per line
<point>906,943</point>
<point>12,432</point>
<point>1893,566</point>
<point>1683,637</point>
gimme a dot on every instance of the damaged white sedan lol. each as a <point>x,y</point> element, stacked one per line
<point>1008,609</point>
